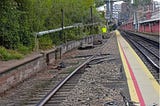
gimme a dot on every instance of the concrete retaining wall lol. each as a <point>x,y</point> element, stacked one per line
<point>18,73</point>
<point>14,75</point>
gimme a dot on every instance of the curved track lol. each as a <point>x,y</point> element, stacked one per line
<point>55,96</point>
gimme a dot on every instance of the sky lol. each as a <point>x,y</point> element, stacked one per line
<point>157,0</point>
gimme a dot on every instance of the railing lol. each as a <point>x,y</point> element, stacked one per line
<point>67,27</point>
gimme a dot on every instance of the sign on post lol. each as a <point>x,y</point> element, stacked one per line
<point>104,30</point>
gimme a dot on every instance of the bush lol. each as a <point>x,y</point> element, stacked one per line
<point>9,54</point>
<point>45,43</point>
<point>23,49</point>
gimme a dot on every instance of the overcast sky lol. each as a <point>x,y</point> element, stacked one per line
<point>157,0</point>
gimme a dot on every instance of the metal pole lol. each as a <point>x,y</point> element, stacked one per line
<point>63,36</point>
<point>62,25</point>
<point>91,13</point>
<point>36,43</point>
<point>107,14</point>
<point>135,21</point>
<point>109,4</point>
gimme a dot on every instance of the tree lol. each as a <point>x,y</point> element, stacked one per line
<point>20,19</point>
<point>9,24</point>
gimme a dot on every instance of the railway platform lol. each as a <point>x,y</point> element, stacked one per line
<point>152,36</point>
<point>143,88</point>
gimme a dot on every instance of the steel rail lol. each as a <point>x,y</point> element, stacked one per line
<point>155,43</point>
<point>53,91</point>
<point>157,56</point>
<point>147,57</point>
<point>149,50</point>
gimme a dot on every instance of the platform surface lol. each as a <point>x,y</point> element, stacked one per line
<point>143,88</point>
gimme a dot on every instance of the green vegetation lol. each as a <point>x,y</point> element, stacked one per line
<point>99,3</point>
<point>9,54</point>
<point>20,19</point>
<point>23,49</point>
<point>45,42</point>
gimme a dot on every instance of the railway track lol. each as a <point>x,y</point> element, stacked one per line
<point>103,69</point>
<point>59,86</point>
<point>53,83</point>
<point>149,50</point>
<point>58,94</point>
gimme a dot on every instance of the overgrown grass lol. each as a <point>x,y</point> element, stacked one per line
<point>9,54</point>
<point>23,49</point>
<point>45,43</point>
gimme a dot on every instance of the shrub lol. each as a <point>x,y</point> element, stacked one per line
<point>9,54</point>
<point>45,43</point>
<point>23,49</point>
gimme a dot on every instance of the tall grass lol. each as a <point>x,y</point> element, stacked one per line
<point>9,54</point>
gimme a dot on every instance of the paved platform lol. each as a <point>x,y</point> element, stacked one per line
<point>143,88</point>
<point>6,65</point>
<point>149,36</point>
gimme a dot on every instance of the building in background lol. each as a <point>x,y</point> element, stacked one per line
<point>125,12</point>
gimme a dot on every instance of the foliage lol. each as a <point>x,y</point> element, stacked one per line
<point>8,24</point>
<point>45,43</point>
<point>20,19</point>
<point>9,54</point>
<point>99,3</point>
<point>23,49</point>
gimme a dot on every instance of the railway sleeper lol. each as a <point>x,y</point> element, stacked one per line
<point>58,98</point>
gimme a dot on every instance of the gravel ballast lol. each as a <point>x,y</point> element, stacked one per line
<point>101,83</point>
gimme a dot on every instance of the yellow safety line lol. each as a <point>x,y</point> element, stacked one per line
<point>145,69</point>
<point>131,87</point>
